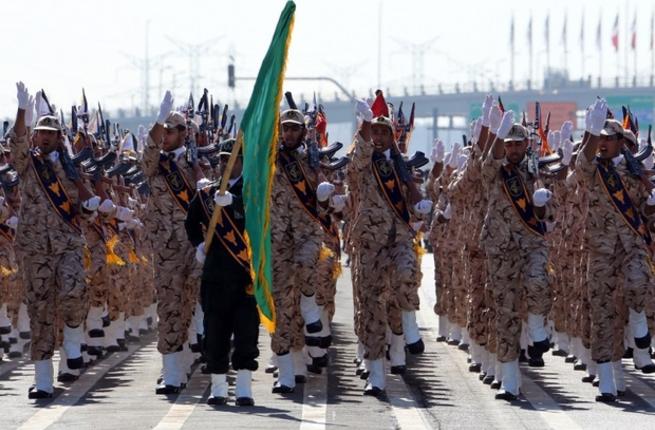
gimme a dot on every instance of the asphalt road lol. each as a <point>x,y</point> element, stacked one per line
<point>437,392</point>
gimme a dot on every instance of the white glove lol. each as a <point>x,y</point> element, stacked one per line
<point>495,117</point>
<point>223,200</point>
<point>12,222</point>
<point>2,200</point>
<point>200,253</point>
<point>447,158</point>
<point>91,204</point>
<point>423,207</point>
<point>541,196</point>
<point>556,140</point>
<point>566,131</point>
<point>438,151</point>
<point>461,161</point>
<point>486,110</point>
<point>338,202</point>
<point>124,214</point>
<point>587,119</point>
<point>448,212</point>
<point>476,130</point>
<point>567,152</point>
<point>597,117</point>
<point>549,136</point>
<point>364,110</point>
<point>505,125</point>
<point>202,183</point>
<point>107,206</point>
<point>651,198</point>
<point>324,191</point>
<point>23,96</point>
<point>165,108</point>
<point>454,157</point>
<point>29,113</point>
<point>649,162</point>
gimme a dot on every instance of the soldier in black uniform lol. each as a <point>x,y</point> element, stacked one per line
<point>226,287</point>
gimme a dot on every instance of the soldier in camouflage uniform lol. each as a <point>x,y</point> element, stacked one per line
<point>296,240</point>
<point>517,253</point>
<point>469,182</point>
<point>51,244</point>
<point>616,238</point>
<point>172,179</point>
<point>383,243</point>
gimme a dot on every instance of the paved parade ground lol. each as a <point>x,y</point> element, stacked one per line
<point>437,392</point>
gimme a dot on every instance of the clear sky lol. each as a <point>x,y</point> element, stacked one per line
<point>65,44</point>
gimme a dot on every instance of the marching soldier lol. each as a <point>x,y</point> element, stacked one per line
<point>296,241</point>
<point>51,245</point>
<point>382,237</point>
<point>172,179</point>
<point>617,240</point>
<point>517,254</point>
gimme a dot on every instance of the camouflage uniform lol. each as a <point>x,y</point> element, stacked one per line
<point>383,244</point>
<point>560,258</point>
<point>437,237</point>
<point>296,240</point>
<point>96,273</point>
<point>517,260</point>
<point>469,184</point>
<point>11,288</point>
<point>52,253</point>
<point>329,268</point>
<point>176,271</point>
<point>617,255</point>
<point>577,323</point>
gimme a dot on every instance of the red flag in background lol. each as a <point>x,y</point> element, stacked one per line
<point>501,106</point>
<point>380,107</point>
<point>321,128</point>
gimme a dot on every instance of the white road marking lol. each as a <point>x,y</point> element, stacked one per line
<point>407,413</point>
<point>9,366</point>
<point>314,402</point>
<point>185,403</point>
<point>47,416</point>
<point>545,405</point>
<point>640,388</point>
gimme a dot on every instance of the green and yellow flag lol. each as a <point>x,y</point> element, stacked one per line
<point>259,131</point>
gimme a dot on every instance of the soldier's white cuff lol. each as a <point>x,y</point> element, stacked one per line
<point>107,206</point>
<point>91,204</point>
<point>123,214</point>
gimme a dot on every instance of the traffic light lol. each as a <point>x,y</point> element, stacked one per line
<point>230,75</point>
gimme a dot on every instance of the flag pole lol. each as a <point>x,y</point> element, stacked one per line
<point>225,180</point>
